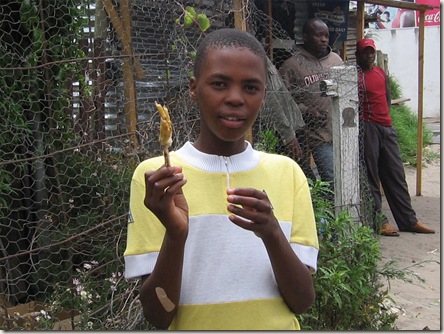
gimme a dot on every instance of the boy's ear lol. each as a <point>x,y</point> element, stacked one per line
<point>192,86</point>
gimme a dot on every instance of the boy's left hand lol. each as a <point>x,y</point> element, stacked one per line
<point>252,210</point>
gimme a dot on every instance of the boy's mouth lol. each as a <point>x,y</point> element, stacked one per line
<point>232,122</point>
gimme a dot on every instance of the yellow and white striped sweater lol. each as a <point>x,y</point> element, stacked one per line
<point>228,280</point>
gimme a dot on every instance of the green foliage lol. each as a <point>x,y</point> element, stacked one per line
<point>190,16</point>
<point>98,193</point>
<point>348,289</point>
<point>267,141</point>
<point>187,20</point>
<point>320,193</point>
<point>394,87</point>
<point>406,124</point>
<point>349,294</point>
<point>33,108</point>
<point>407,274</point>
<point>72,278</point>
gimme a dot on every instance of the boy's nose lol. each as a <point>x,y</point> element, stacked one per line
<point>235,96</point>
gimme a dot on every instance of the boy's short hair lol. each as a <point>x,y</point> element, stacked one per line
<point>227,37</point>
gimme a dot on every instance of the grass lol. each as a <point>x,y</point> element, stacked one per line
<point>405,121</point>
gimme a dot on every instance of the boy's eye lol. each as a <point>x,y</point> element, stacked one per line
<point>251,88</point>
<point>218,84</point>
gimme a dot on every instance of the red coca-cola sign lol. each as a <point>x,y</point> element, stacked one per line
<point>431,17</point>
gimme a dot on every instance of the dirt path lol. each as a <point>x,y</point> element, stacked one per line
<point>418,304</point>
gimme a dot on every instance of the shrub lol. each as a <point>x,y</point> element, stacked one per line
<point>349,292</point>
<point>406,124</point>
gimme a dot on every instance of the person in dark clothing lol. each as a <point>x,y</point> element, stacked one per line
<point>302,74</point>
<point>381,150</point>
<point>282,111</point>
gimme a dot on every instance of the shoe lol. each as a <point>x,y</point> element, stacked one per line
<point>419,228</point>
<point>388,231</point>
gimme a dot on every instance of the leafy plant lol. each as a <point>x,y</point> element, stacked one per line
<point>90,200</point>
<point>267,141</point>
<point>350,294</point>
<point>406,124</point>
<point>188,19</point>
<point>394,87</point>
<point>190,16</point>
<point>33,107</point>
<point>348,288</point>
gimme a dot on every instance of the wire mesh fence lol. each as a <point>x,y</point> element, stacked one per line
<point>78,82</point>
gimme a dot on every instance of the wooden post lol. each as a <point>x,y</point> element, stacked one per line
<point>360,10</point>
<point>240,23</point>
<point>382,61</point>
<point>345,124</point>
<point>131,65</point>
<point>118,25</point>
<point>239,15</point>
<point>420,102</point>
<point>128,75</point>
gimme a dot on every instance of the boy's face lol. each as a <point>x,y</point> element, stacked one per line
<point>229,91</point>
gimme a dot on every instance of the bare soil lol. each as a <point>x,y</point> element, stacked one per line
<point>418,304</point>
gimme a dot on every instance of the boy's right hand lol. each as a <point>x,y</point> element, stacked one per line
<point>164,197</point>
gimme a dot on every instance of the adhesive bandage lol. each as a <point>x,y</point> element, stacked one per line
<point>167,304</point>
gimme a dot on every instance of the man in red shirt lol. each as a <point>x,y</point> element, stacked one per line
<point>381,150</point>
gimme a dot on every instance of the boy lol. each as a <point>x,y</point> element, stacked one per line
<point>207,264</point>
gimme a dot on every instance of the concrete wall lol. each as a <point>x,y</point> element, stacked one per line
<point>401,46</point>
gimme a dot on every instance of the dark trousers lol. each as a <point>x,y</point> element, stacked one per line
<point>385,167</point>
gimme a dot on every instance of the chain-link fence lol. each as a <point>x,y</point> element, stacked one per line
<point>78,82</point>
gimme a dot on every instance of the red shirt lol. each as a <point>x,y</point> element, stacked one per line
<point>373,96</point>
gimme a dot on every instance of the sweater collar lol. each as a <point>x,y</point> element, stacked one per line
<point>310,56</point>
<point>246,160</point>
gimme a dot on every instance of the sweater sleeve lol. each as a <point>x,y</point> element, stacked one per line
<point>145,231</point>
